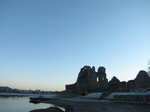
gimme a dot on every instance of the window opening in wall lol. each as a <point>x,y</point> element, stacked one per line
<point>102,78</point>
<point>97,79</point>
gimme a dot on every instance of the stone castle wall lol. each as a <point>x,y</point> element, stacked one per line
<point>91,81</point>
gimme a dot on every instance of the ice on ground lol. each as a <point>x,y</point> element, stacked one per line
<point>82,99</point>
<point>111,96</point>
<point>93,95</point>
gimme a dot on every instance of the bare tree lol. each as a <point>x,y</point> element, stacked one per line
<point>148,67</point>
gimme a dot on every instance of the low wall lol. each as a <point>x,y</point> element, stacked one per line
<point>136,98</point>
<point>71,88</point>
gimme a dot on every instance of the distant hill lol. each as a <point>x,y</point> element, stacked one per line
<point>10,90</point>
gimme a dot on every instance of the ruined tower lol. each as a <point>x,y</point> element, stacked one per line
<point>89,81</point>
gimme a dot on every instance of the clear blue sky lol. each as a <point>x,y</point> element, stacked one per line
<point>44,43</point>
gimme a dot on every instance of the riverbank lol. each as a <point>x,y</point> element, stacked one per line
<point>51,109</point>
<point>97,106</point>
<point>133,97</point>
<point>17,95</point>
<point>92,103</point>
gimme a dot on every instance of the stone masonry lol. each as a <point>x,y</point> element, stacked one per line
<point>89,81</point>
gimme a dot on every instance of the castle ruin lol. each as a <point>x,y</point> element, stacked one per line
<point>89,81</point>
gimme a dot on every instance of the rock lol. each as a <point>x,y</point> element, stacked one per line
<point>51,109</point>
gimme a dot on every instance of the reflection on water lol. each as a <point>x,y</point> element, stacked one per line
<point>19,104</point>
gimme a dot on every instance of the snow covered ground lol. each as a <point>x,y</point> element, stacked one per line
<point>93,95</point>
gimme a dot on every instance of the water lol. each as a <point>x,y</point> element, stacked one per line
<point>20,104</point>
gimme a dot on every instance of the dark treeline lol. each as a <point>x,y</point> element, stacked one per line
<point>10,90</point>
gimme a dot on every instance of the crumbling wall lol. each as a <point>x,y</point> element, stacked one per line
<point>142,80</point>
<point>89,81</point>
<point>71,88</point>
